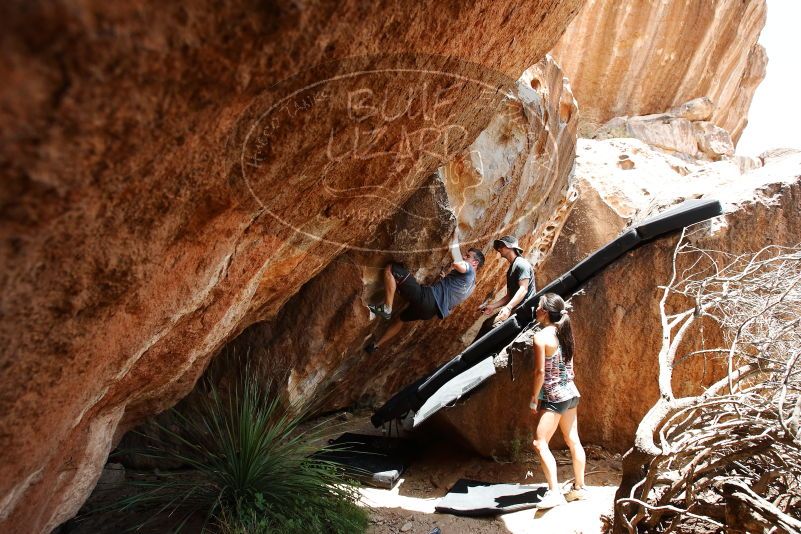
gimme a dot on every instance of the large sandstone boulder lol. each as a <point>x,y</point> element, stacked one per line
<point>615,315</point>
<point>512,179</point>
<point>173,173</point>
<point>631,57</point>
<point>683,132</point>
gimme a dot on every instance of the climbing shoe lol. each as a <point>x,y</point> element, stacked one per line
<point>380,310</point>
<point>550,499</point>
<point>576,494</point>
<point>370,347</point>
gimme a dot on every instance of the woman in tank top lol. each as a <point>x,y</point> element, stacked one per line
<point>556,397</point>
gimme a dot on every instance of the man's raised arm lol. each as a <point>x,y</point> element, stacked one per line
<point>458,263</point>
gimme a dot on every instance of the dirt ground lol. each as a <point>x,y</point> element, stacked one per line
<point>409,507</point>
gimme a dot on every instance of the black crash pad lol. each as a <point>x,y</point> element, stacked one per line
<point>491,342</point>
<point>684,214</point>
<point>413,396</point>
<point>605,255</point>
<point>375,460</point>
<point>474,498</point>
<point>687,213</point>
<point>399,404</point>
<point>564,286</point>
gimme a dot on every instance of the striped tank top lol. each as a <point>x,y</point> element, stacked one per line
<point>558,386</point>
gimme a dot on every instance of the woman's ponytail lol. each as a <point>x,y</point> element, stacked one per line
<point>564,332</point>
<point>557,314</point>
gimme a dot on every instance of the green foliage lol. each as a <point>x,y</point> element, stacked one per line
<point>249,469</point>
<point>519,445</point>
<point>338,516</point>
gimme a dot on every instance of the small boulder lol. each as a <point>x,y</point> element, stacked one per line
<point>713,141</point>
<point>672,134</point>
<point>615,128</point>
<point>697,109</point>
<point>663,131</point>
<point>746,163</point>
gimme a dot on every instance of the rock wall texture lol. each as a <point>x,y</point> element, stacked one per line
<point>512,179</point>
<point>174,173</point>
<point>635,57</point>
<point>615,315</point>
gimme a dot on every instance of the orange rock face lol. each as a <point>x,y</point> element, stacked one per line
<point>638,58</point>
<point>512,179</point>
<point>175,173</point>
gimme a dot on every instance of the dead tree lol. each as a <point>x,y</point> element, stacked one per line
<point>729,459</point>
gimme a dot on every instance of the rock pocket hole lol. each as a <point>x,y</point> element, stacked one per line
<point>565,111</point>
<point>625,164</point>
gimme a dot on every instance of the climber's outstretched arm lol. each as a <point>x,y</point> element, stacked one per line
<point>458,262</point>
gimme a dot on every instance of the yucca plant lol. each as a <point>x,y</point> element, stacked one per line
<point>249,469</point>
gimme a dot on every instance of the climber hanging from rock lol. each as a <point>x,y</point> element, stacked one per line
<point>426,302</point>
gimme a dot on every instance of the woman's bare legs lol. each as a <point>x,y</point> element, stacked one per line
<point>545,429</point>
<point>568,424</point>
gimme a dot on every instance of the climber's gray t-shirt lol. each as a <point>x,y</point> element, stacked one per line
<point>519,270</point>
<point>453,289</point>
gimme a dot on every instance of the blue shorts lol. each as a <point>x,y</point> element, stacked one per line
<point>559,407</point>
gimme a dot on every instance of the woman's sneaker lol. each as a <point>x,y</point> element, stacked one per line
<point>576,494</point>
<point>550,499</point>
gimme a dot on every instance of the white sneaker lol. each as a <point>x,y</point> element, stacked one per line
<point>550,499</point>
<point>576,494</point>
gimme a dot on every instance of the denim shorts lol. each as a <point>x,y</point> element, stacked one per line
<point>559,407</point>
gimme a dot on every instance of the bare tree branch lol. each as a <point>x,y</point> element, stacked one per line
<point>734,451</point>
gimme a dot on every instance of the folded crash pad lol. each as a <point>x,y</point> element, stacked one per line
<point>412,397</point>
<point>490,343</point>
<point>605,255</point>
<point>375,460</point>
<point>687,213</point>
<point>454,389</point>
<point>474,498</point>
<point>399,404</point>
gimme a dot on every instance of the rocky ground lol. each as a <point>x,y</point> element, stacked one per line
<point>409,507</point>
